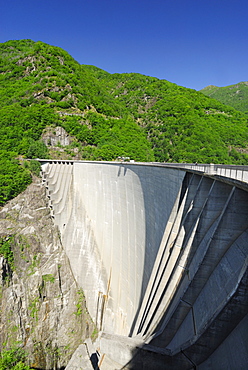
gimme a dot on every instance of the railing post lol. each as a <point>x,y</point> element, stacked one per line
<point>210,169</point>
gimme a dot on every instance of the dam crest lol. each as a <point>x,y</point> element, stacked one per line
<point>160,252</point>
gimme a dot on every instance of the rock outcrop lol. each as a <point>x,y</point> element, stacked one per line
<point>60,144</point>
<point>42,308</point>
<point>54,136</point>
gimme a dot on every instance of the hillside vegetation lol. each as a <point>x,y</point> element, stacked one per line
<point>234,95</point>
<point>106,115</point>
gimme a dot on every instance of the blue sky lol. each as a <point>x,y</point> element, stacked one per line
<point>193,43</point>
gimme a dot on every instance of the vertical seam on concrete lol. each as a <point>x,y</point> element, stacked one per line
<point>192,363</point>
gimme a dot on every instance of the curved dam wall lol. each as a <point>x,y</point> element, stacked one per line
<point>112,218</point>
<point>161,254</point>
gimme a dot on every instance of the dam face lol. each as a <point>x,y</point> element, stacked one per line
<point>161,254</point>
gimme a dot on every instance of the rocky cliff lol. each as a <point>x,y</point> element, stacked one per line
<point>42,308</point>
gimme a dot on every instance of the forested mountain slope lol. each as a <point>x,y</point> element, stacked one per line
<point>234,95</point>
<point>105,115</point>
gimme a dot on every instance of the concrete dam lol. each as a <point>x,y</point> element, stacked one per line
<point>161,253</point>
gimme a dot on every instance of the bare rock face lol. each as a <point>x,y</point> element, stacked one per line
<point>41,307</point>
<point>60,144</point>
<point>55,136</point>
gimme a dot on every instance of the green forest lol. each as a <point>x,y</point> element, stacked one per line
<point>106,115</point>
<point>234,95</point>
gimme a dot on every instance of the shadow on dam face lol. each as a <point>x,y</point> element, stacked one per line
<point>206,315</point>
<point>161,254</point>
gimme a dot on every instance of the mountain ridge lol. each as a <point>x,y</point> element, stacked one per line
<point>235,95</point>
<point>106,115</point>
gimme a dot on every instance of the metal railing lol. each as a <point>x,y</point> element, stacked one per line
<point>235,172</point>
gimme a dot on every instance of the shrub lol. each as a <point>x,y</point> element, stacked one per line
<point>14,359</point>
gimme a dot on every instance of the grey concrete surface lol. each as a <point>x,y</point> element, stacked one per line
<point>232,353</point>
<point>80,359</point>
<point>111,225</point>
<point>161,254</point>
